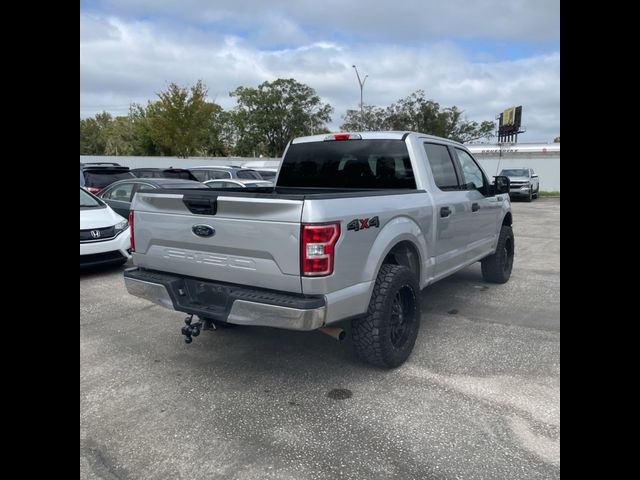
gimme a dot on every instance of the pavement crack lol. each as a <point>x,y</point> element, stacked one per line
<point>99,462</point>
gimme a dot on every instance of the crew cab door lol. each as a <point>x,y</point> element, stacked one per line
<point>450,207</point>
<point>482,208</point>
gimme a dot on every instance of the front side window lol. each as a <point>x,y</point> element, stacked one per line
<point>471,172</point>
<point>444,173</point>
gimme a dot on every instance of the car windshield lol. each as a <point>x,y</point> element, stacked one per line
<point>87,201</point>
<point>516,172</point>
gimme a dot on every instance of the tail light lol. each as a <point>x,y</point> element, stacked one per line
<point>133,241</point>
<point>94,190</point>
<point>317,248</point>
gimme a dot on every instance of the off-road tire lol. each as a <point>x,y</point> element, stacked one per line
<point>386,334</point>
<point>497,268</point>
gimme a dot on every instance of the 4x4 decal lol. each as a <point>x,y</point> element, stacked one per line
<point>360,223</point>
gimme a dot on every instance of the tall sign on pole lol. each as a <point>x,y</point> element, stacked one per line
<point>510,125</point>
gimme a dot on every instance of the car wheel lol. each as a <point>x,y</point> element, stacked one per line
<point>537,191</point>
<point>529,196</point>
<point>497,268</point>
<point>386,334</point>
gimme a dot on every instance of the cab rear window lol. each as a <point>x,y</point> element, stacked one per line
<point>375,164</point>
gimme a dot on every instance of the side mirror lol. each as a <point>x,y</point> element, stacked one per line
<point>501,184</point>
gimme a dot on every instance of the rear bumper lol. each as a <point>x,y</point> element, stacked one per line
<point>227,302</point>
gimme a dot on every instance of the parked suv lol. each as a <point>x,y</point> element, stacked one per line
<point>98,175</point>
<point>205,173</point>
<point>524,182</point>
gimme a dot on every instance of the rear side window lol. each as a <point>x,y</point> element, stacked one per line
<point>248,174</point>
<point>442,167</point>
<point>122,192</point>
<point>213,174</point>
<point>348,164</point>
<point>201,175</point>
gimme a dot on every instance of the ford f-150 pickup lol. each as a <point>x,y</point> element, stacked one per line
<point>355,226</point>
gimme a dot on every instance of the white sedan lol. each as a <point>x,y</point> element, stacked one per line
<point>104,235</point>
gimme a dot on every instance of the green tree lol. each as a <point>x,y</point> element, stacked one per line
<point>180,119</point>
<point>557,139</point>
<point>268,116</point>
<point>92,141</point>
<point>372,118</point>
<point>118,137</point>
<point>215,140</point>
<point>416,113</point>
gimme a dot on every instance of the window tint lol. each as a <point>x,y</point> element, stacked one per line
<point>471,172</point>
<point>515,172</point>
<point>102,179</point>
<point>143,173</point>
<point>201,175</point>
<point>219,174</point>
<point>347,164</point>
<point>88,201</point>
<point>267,175</point>
<point>120,192</point>
<point>442,167</point>
<point>248,174</point>
<point>221,184</point>
<point>181,174</point>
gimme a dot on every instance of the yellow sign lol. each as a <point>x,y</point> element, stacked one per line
<point>509,116</point>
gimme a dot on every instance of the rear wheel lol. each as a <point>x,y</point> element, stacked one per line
<point>497,268</point>
<point>386,334</point>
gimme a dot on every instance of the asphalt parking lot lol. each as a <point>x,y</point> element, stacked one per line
<point>479,398</point>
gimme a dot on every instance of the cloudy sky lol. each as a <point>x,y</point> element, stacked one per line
<point>480,55</point>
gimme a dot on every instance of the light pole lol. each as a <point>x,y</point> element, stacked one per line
<point>361,83</point>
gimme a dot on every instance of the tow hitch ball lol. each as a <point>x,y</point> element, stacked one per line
<point>189,330</point>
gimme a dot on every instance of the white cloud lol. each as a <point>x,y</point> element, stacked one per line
<point>399,20</point>
<point>124,61</point>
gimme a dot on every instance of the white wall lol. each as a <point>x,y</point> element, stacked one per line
<point>544,158</point>
<point>547,168</point>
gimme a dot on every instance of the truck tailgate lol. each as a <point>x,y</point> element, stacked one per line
<point>256,240</point>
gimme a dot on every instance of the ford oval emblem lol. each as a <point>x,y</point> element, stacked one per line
<point>203,230</point>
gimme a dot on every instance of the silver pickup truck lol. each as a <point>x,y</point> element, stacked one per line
<point>356,225</point>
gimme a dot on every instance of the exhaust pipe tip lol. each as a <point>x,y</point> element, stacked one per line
<point>334,332</point>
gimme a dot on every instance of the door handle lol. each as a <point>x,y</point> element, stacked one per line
<point>445,211</point>
<point>475,207</point>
